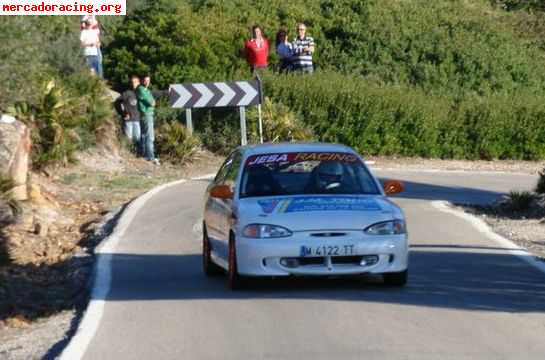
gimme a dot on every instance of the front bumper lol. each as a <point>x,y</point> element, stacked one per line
<point>267,257</point>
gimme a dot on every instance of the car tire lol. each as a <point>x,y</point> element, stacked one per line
<point>234,280</point>
<point>209,267</point>
<point>396,279</point>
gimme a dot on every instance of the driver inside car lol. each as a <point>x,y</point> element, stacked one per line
<point>326,178</point>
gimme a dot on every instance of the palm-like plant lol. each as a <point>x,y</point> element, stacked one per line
<point>280,124</point>
<point>52,122</point>
<point>174,142</point>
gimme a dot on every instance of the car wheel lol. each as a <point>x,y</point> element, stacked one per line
<point>209,267</point>
<point>397,279</point>
<point>234,280</point>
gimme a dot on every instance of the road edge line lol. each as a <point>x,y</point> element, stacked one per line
<point>484,228</point>
<point>102,273</point>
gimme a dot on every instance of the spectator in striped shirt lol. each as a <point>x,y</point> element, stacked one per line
<point>303,48</point>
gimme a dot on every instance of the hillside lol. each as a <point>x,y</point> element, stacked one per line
<point>448,79</point>
<point>443,79</point>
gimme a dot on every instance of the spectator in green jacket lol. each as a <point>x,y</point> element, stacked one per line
<point>146,106</point>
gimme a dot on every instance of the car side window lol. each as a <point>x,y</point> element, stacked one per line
<point>232,172</point>
<point>220,176</point>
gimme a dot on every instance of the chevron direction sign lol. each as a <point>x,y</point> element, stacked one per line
<point>218,94</point>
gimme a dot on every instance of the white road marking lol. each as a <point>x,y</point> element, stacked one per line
<point>483,228</point>
<point>103,274</point>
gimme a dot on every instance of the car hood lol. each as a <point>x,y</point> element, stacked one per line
<point>329,212</point>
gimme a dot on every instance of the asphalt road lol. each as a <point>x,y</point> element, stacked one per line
<point>466,299</point>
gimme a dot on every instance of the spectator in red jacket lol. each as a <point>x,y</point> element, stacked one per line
<point>257,50</point>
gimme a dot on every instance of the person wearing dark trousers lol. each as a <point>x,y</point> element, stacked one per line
<point>257,50</point>
<point>303,47</point>
<point>127,106</point>
<point>284,50</point>
<point>146,106</point>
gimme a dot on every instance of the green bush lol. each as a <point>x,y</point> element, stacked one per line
<point>540,187</point>
<point>174,144</point>
<point>219,131</point>
<point>34,50</point>
<point>46,84</point>
<point>520,4</point>
<point>520,200</point>
<point>389,120</point>
<point>62,123</point>
<point>279,124</point>
<point>441,46</point>
<point>447,79</point>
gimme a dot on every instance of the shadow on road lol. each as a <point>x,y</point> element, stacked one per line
<point>454,278</point>
<point>456,194</point>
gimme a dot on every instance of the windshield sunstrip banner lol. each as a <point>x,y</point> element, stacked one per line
<point>300,156</point>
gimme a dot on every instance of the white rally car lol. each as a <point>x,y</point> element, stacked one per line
<point>302,209</point>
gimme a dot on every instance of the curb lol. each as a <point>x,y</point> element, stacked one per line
<point>483,228</point>
<point>102,273</point>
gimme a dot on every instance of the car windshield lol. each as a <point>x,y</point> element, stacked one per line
<point>305,173</point>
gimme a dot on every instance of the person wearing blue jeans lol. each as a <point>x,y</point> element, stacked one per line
<point>127,106</point>
<point>100,71</point>
<point>146,106</point>
<point>90,43</point>
<point>148,136</point>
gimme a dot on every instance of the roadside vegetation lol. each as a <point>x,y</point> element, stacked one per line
<point>446,79</point>
<point>47,86</point>
<point>518,216</point>
<point>443,79</point>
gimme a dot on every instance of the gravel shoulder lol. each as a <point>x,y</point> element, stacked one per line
<point>44,289</point>
<point>43,339</point>
<point>419,164</point>
<point>526,229</point>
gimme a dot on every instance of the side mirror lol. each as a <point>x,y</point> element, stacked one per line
<point>392,187</point>
<point>221,192</point>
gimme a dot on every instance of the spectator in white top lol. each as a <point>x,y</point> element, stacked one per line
<point>303,47</point>
<point>284,49</point>
<point>96,27</point>
<point>90,43</point>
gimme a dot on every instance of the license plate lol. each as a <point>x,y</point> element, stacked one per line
<point>327,250</point>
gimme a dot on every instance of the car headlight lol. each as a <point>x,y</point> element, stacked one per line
<point>264,231</point>
<point>393,227</point>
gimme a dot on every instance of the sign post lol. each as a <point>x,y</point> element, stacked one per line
<point>259,113</point>
<point>243,135</point>
<point>260,124</point>
<point>188,121</point>
<point>219,94</point>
